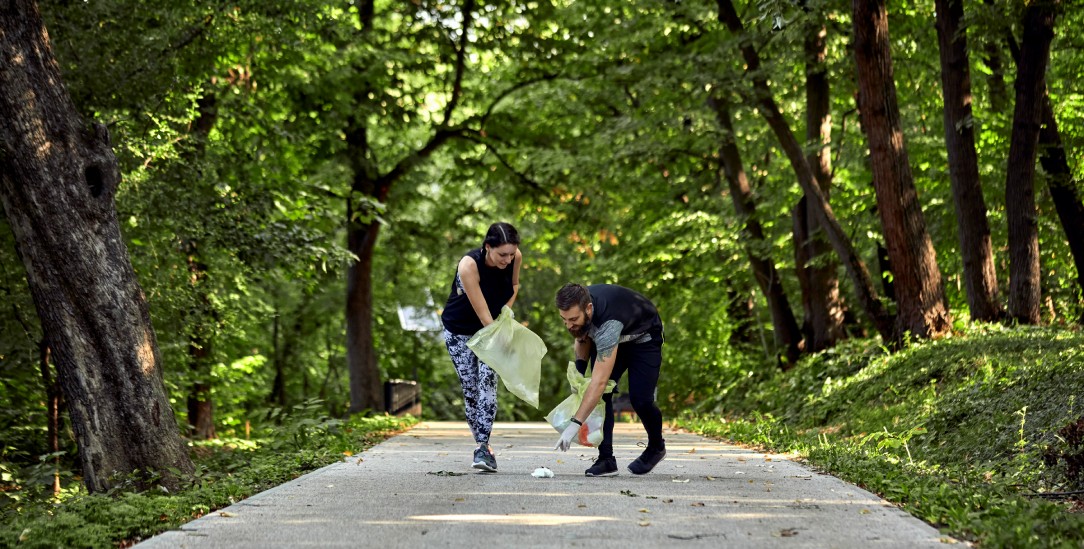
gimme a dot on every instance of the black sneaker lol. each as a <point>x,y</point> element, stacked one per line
<point>647,461</point>
<point>484,460</point>
<point>603,467</point>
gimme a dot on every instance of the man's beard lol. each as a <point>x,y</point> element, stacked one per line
<point>580,332</point>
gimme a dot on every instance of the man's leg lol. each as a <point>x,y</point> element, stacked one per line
<point>644,364</point>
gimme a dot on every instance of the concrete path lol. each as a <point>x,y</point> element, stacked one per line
<point>411,491</point>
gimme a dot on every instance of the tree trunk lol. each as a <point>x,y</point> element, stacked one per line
<point>52,410</point>
<point>1063,188</point>
<point>785,327</point>
<point>976,249</point>
<point>921,305</point>
<point>200,407</point>
<point>57,182</point>
<point>823,323</point>
<point>856,269</point>
<point>1025,294</point>
<point>999,93</point>
<point>366,392</point>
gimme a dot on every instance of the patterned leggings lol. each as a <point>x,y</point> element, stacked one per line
<point>479,386</point>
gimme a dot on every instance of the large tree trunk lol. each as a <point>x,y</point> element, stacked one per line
<point>976,248</point>
<point>57,182</point>
<point>823,323</point>
<point>856,269</point>
<point>921,304</point>
<point>1025,292</point>
<point>785,327</point>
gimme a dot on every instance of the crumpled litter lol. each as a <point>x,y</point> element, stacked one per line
<point>542,472</point>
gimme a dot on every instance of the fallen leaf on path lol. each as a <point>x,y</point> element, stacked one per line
<point>693,451</point>
<point>445,473</point>
<point>788,532</point>
<point>582,506</point>
<point>668,500</point>
<point>652,497</point>
<point>864,512</point>
<point>767,458</point>
<point>226,514</point>
<point>696,504</point>
<point>460,499</point>
<point>358,462</point>
<point>644,523</point>
<point>629,493</point>
<point>710,478</point>
<point>644,511</point>
<point>348,453</point>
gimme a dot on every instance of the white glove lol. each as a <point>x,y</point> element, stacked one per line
<point>569,434</point>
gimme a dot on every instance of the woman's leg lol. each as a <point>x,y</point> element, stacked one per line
<point>479,387</point>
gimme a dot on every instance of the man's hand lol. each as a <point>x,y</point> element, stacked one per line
<point>569,434</point>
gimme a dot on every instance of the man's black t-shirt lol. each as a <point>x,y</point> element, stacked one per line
<point>496,284</point>
<point>621,315</point>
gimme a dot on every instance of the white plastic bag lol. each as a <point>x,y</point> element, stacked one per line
<point>591,432</point>
<point>514,352</point>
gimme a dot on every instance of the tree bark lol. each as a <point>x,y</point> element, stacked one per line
<point>823,323</point>
<point>921,305</point>
<point>1063,188</point>
<point>57,183</point>
<point>976,248</point>
<point>882,320</point>
<point>785,327</point>
<point>1025,294</point>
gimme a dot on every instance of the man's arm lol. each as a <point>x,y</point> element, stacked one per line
<point>600,376</point>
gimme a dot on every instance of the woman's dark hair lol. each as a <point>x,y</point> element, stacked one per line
<point>500,234</point>
<point>573,294</point>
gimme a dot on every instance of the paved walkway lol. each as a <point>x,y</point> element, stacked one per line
<point>411,491</point>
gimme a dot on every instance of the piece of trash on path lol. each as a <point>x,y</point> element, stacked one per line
<point>445,473</point>
<point>739,473</point>
<point>542,472</point>
<point>680,480</point>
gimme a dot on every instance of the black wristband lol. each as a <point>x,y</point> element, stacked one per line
<point>577,422</point>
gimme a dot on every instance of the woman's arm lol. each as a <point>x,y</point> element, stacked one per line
<point>471,280</point>
<point>515,277</point>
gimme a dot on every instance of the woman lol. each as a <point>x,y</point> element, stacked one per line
<point>487,280</point>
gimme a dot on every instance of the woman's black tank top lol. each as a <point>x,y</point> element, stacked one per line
<point>458,316</point>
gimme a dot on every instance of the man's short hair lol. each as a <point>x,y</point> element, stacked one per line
<point>573,294</point>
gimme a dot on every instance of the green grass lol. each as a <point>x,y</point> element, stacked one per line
<point>228,470</point>
<point>972,433</point>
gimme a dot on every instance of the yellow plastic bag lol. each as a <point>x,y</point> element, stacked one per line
<point>591,432</point>
<point>514,352</point>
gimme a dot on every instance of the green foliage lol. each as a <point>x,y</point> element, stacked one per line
<point>228,470</point>
<point>963,432</point>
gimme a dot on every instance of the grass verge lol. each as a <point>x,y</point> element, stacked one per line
<point>227,471</point>
<point>981,435</point>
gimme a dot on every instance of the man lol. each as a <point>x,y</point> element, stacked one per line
<point>620,330</point>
